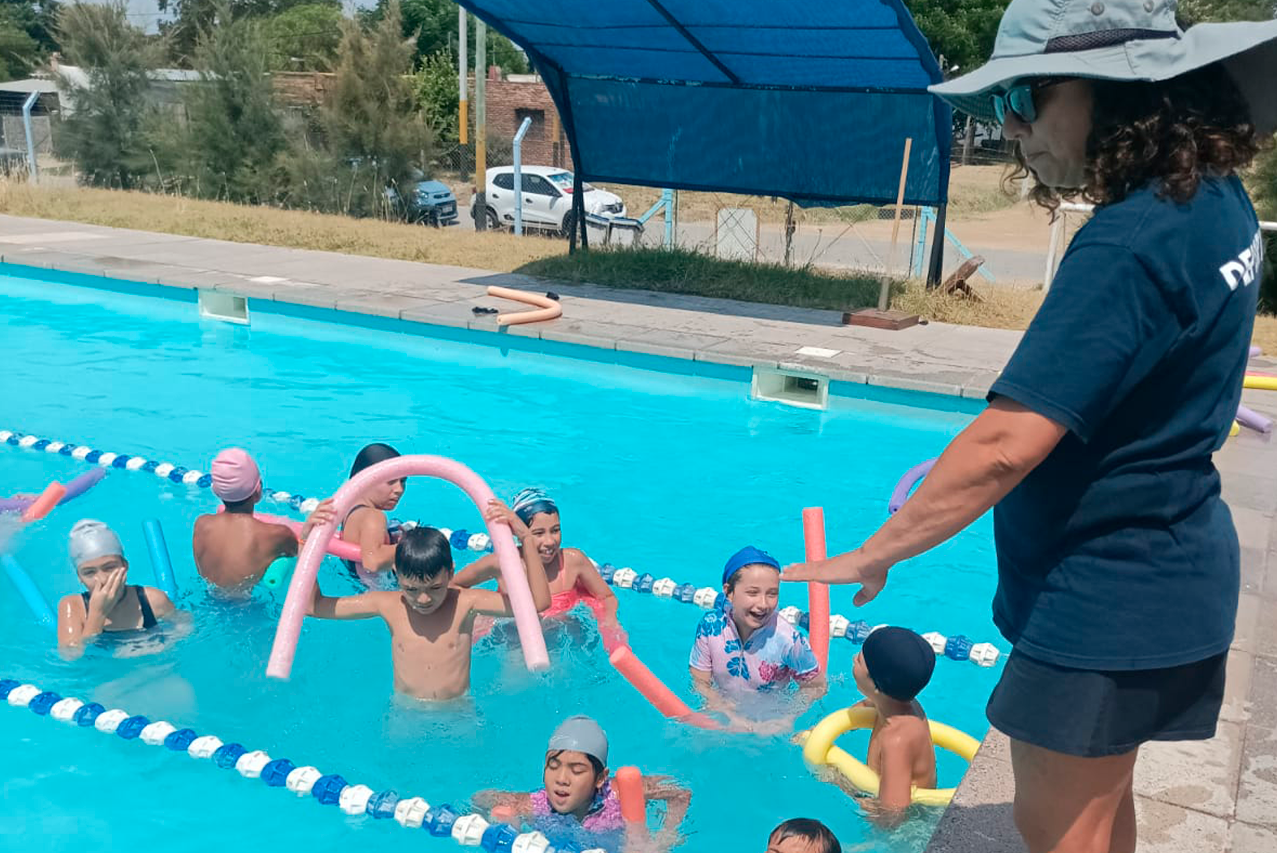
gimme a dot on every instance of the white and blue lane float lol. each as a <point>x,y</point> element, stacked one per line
<point>328,789</point>
<point>956,647</point>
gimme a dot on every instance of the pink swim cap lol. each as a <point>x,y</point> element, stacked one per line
<point>235,475</point>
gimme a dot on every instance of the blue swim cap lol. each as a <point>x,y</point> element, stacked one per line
<point>748,556</point>
<point>529,502</point>
<point>899,661</point>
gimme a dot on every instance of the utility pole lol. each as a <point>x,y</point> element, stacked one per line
<point>481,126</point>
<point>463,66</point>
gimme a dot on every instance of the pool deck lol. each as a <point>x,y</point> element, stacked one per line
<point>1217,796</point>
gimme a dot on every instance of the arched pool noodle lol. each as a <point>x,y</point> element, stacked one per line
<point>662,698</point>
<point>900,493</point>
<point>74,489</point>
<point>512,572</point>
<point>161,564</point>
<point>30,592</point>
<point>817,593</point>
<point>1251,419</point>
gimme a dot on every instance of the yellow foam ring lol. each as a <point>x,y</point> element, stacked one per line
<point>1234,429</point>
<point>819,749</point>
<point>1260,383</point>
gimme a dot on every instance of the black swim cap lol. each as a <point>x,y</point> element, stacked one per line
<point>899,661</point>
<point>371,455</point>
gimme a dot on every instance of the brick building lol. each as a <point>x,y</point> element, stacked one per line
<point>510,100</point>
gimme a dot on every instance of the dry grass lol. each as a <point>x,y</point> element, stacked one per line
<point>1003,308</point>
<point>457,246</point>
<point>1013,308</point>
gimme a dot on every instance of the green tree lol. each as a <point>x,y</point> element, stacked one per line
<point>191,17</point>
<point>26,35</point>
<point>437,91</point>
<point>305,38</point>
<point>233,135</point>
<point>106,129</point>
<point>372,118</point>
<point>961,32</point>
<point>433,24</point>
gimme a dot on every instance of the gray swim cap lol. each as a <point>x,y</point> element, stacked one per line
<point>92,540</point>
<point>580,734</point>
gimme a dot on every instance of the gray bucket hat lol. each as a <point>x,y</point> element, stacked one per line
<point>1118,40</point>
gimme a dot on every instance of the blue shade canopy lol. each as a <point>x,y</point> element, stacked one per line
<point>810,100</point>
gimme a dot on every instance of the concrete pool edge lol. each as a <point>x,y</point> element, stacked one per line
<point>599,318</point>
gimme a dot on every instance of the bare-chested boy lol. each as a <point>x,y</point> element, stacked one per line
<point>893,666</point>
<point>232,548</point>
<point>430,620</point>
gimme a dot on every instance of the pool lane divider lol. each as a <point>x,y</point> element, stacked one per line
<point>956,648</point>
<point>461,540</point>
<point>329,789</point>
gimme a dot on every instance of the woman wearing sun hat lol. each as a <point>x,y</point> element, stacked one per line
<point>1118,567</point>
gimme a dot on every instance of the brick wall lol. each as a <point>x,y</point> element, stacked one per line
<point>509,101</point>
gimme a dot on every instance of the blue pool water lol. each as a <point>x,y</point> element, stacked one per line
<point>654,468</point>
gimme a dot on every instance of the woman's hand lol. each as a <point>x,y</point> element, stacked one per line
<point>498,511</point>
<point>852,567</point>
<point>108,592</point>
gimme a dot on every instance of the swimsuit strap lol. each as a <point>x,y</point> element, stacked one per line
<point>148,615</point>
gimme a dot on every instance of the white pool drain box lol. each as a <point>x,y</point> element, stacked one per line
<point>227,307</point>
<point>791,387</point>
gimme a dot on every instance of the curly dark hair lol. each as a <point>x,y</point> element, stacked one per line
<point>1173,132</point>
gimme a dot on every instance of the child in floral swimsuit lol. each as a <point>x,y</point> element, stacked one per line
<point>745,647</point>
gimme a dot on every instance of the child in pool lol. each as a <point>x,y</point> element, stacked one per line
<point>568,570</point>
<point>366,523</point>
<point>745,647</point>
<point>431,621</point>
<point>233,549</point>
<point>803,835</point>
<point>578,800</point>
<point>110,605</point>
<point>893,667</point>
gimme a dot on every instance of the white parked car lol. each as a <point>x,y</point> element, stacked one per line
<point>547,199</point>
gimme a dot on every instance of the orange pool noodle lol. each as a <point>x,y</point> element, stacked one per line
<point>629,787</point>
<point>48,499</point>
<point>547,308</point>
<point>817,593</point>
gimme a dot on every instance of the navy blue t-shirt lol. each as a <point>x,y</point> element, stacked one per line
<point>1117,553</point>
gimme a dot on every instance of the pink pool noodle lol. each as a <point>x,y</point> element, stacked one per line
<point>1251,419</point>
<point>817,593</point>
<point>300,589</point>
<point>45,503</point>
<point>337,547</point>
<point>654,690</point>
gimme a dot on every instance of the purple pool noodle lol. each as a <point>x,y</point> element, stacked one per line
<point>1254,420</point>
<point>900,493</point>
<point>75,488</point>
<point>1255,351</point>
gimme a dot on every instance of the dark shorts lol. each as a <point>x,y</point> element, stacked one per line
<point>1092,713</point>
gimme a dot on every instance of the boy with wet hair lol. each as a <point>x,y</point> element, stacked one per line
<point>431,621</point>
<point>802,835</point>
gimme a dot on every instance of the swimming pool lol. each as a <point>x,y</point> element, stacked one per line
<point>655,467</point>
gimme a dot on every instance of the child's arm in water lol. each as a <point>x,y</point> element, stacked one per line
<point>677,800</point>
<point>482,570</point>
<point>590,579</point>
<point>493,603</point>
<point>505,806</point>
<point>895,782</point>
<point>366,527</point>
